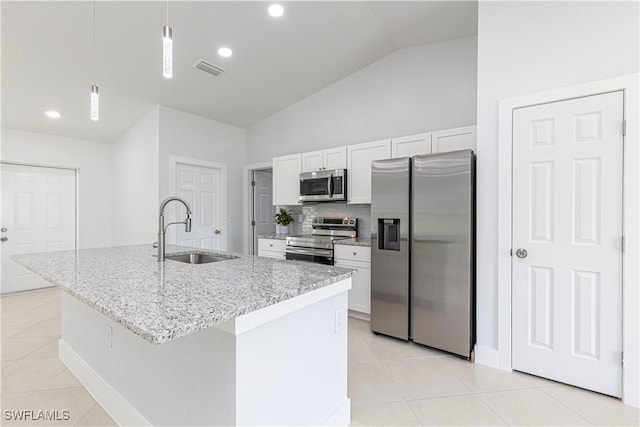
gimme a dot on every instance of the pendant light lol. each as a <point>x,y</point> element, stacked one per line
<point>167,48</point>
<point>95,96</point>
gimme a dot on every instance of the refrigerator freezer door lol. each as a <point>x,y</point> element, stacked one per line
<point>442,251</point>
<point>390,247</point>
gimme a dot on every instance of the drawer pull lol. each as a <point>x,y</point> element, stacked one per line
<point>271,244</point>
<point>354,253</point>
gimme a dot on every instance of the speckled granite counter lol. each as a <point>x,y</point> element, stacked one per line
<point>164,301</point>
<point>273,236</point>
<point>353,242</point>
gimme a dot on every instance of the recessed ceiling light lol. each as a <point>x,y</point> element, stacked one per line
<point>225,52</point>
<point>52,114</point>
<point>276,10</point>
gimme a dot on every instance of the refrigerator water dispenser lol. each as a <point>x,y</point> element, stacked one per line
<point>389,234</point>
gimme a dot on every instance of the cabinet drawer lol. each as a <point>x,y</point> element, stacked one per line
<point>272,254</point>
<point>352,253</point>
<point>272,245</point>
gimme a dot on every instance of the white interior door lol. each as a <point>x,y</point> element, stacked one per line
<point>567,215</point>
<point>201,187</point>
<point>263,208</point>
<point>38,215</point>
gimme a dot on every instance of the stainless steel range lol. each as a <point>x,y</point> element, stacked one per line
<point>318,246</point>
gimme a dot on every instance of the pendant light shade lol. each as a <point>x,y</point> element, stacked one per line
<point>95,103</point>
<point>167,52</point>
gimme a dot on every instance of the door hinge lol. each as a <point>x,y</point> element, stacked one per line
<point>253,183</point>
<point>622,359</point>
<point>510,252</point>
<point>253,223</point>
<point>624,127</point>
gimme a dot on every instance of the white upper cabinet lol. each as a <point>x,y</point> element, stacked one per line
<point>334,158</point>
<point>411,145</point>
<point>454,139</point>
<point>359,159</point>
<point>286,179</point>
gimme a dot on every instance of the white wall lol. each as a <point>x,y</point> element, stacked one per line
<point>94,161</point>
<point>136,182</point>
<point>527,47</point>
<point>186,135</point>
<point>410,91</point>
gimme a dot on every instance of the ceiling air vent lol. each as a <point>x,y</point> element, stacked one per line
<point>209,68</point>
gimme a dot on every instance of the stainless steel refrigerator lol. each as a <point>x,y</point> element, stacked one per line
<point>423,250</point>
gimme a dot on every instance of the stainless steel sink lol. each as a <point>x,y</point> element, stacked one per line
<point>200,257</point>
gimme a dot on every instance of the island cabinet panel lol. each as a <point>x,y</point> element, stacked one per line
<point>272,248</point>
<point>285,364</point>
<point>286,179</point>
<point>358,258</point>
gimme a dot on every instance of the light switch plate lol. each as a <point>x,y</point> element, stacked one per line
<point>109,336</point>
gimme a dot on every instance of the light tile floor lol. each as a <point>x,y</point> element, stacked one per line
<point>390,382</point>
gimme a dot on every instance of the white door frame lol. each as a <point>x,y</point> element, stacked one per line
<point>173,162</point>
<point>631,228</point>
<point>248,202</point>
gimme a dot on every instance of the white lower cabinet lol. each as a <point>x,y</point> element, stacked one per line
<point>356,257</point>
<point>272,248</point>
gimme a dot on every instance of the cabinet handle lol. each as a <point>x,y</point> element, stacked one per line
<point>271,244</point>
<point>355,254</point>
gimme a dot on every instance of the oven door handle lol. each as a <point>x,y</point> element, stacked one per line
<point>305,251</point>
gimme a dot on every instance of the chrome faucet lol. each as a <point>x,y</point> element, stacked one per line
<point>161,227</point>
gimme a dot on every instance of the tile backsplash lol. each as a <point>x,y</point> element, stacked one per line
<point>304,214</point>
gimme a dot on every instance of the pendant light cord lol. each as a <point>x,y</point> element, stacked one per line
<point>167,12</point>
<point>94,37</point>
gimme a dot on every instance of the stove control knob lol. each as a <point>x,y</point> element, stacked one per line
<point>352,221</point>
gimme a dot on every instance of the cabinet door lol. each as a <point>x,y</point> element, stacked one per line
<point>335,158</point>
<point>359,159</point>
<point>454,139</point>
<point>360,292</point>
<point>312,161</point>
<point>411,145</point>
<point>286,179</point>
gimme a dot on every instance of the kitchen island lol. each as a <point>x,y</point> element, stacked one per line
<point>243,341</point>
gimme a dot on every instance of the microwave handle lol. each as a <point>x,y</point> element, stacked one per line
<point>330,185</point>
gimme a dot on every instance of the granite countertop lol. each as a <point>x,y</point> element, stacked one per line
<point>353,242</point>
<point>164,301</point>
<point>350,242</point>
<point>272,236</point>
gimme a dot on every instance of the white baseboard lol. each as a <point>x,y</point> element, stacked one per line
<point>487,356</point>
<point>360,315</point>
<point>116,406</point>
<point>341,416</point>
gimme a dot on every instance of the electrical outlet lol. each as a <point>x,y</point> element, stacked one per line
<point>109,336</point>
<point>340,319</point>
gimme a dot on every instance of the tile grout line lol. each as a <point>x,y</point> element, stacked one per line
<point>566,406</point>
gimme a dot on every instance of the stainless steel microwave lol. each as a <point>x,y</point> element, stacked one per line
<point>324,186</point>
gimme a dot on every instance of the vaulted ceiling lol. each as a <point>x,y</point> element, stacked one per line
<point>49,60</point>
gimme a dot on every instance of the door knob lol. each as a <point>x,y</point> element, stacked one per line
<point>3,239</point>
<point>217,231</point>
<point>521,253</point>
